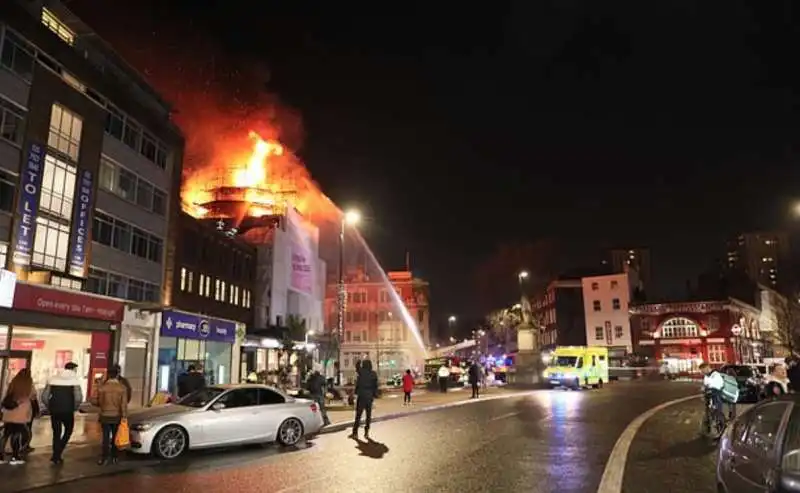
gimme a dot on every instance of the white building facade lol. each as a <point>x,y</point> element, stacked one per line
<point>606,299</point>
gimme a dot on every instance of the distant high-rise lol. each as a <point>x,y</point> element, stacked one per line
<point>625,259</point>
<point>762,256</point>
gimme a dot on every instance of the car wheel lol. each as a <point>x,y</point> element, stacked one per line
<point>170,443</point>
<point>290,432</point>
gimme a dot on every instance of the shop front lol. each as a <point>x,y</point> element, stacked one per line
<point>137,342</point>
<point>48,327</point>
<point>190,339</point>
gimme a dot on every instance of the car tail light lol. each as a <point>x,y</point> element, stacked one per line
<point>314,407</point>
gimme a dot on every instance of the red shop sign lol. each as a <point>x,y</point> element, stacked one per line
<point>22,344</point>
<point>58,302</point>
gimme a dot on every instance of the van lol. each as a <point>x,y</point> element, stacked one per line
<point>576,367</point>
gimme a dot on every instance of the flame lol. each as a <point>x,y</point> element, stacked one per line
<point>262,173</point>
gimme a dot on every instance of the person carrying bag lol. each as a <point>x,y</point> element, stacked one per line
<point>112,399</point>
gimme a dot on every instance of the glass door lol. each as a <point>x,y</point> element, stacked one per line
<point>15,361</point>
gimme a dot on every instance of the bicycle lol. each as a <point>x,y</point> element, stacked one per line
<point>713,418</point>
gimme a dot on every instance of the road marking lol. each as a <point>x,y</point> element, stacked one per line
<point>614,473</point>
<point>504,416</point>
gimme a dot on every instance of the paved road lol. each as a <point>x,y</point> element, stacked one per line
<point>543,442</point>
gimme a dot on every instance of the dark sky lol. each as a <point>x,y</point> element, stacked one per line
<point>665,124</point>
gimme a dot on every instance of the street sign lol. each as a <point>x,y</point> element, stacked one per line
<point>736,329</point>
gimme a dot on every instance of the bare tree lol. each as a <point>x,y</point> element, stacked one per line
<point>786,324</point>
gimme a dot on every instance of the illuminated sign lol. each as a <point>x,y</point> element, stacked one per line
<point>81,224</point>
<point>28,205</point>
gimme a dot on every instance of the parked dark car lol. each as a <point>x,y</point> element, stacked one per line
<point>760,450</point>
<point>749,381</point>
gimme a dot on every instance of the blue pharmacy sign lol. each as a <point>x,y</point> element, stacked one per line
<point>193,326</point>
<point>81,224</point>
<point>28,205</point>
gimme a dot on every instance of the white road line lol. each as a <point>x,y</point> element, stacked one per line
<point>614,473</point>
<point>504,416</point>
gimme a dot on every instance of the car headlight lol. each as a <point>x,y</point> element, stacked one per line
<point>141,426</point>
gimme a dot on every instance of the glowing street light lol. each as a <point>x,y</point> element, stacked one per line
<point>523,275</point>
<point>452,319</point>
<point>350,218</point>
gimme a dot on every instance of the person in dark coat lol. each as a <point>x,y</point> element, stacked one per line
<point>793,372</point>
<point>366,391</point>
<point>191,381</point>
<point>475,379</point>
<point>316,387</point>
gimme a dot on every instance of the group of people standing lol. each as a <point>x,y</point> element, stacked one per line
<point>61,398</point>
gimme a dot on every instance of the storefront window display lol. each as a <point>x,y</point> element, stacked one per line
<point>189,339</point>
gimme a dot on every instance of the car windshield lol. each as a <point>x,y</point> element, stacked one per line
<point>739,371</point>
<point>200,398</point>
<point>564,361</point>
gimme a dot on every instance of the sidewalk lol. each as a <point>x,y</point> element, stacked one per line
<point>81,454</point>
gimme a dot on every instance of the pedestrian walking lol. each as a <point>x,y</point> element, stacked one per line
<point>35,412</point>
<point>408,387</point>
<point>444,377</point>
<point>366,391</point>
<point>316,387</point>
<point>474,379</point>
<point>113,403</point>
<point>62,397</point>
<point>17,410</point>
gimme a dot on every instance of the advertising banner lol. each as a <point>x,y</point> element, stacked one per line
<point>302,278</point>
<point>28,205</point>
<point>81,225</point>
<point>193,326</point>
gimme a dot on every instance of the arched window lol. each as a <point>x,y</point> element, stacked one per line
<point>678,328</point>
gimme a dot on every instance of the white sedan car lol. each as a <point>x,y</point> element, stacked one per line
<point>221,416</point>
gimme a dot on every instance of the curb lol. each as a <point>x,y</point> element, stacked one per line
<point>337,427</point>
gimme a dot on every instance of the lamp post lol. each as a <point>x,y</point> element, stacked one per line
<point>350,218</point>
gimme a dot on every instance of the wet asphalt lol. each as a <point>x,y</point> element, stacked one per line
<point>544,441</point>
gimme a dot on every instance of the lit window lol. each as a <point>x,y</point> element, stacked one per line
<point>58,188</point>
<point>66,282</point>
<point>189,281</point>
<point>679,327</point>
<point>59,28</point>
<point>183,278</point>
<point>65,131</point>
<point>50,244</point>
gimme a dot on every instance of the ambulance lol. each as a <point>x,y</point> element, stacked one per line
<point>577,367</point>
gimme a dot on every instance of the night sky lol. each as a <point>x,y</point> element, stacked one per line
<point>460,130</point>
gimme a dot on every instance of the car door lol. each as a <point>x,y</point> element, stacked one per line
<point>231,423</point>
<point>273,410</point>
<point>751,464</point>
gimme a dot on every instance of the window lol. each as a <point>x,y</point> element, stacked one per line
<point>384,296</point>
<point>132,134</point>
<point>239,398</point>
<point>66,282</point>
<point>129,186</point>
<point>183,278</point>
<point>59,28</point>
<point>118,234</point>
<point>598,334</point>
<point>716,353</point>
<point>65,131</point>
<point>3,254</point>
<point>266,397</point>
<point>208,286</point>
<point>596,305</point>
<point>189,281</point>
<point>614,284</point>
<point>679,327</point>
<point>618,332</point>
<point>58,188</point>
<point>615,304</point>
<point>713,323</point>
<point>12,120</point>
<point>595,286</point>
<point>50,244</point>
<point>108,284</point>
<point>115,122</point>
<point>8,185</point>
<point>18,55</point>
<point>764,426</point>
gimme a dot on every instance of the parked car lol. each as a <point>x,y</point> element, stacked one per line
<point>760,449</point>
<point>775,382</point>
<point>749,381</point>
<point>223,415</point>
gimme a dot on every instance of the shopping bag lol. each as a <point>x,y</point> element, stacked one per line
<point>123,438</point>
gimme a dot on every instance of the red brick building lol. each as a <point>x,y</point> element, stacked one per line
<point>374,327</point>
<point>684,334</point>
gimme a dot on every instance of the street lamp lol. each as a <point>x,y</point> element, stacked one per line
<point>452,319</point>
<point>349,218</point>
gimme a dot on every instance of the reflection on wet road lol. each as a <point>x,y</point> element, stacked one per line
<point>544,441</point>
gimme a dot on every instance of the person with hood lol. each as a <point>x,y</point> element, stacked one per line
<point>62,397</point>
<point>112,399</point>
<point>316,387</point>
<point>191,381</point>
<point>17,412</point>
<point>474,379</point>
<point>366,391</point>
